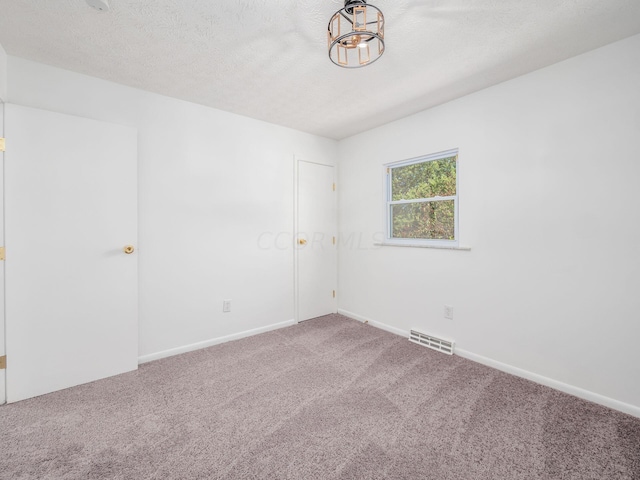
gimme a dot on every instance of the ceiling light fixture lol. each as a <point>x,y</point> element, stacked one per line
<point>356,25</point>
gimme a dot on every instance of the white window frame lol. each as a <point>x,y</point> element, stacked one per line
<point>388,202</point>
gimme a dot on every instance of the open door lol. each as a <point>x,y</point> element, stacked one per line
<point>70,213</point>
<point>316,241</point>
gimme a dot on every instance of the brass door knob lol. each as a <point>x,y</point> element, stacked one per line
<point>302,241</point>
<point>128,249</point>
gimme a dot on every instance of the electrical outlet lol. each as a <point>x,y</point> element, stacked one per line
<point>448,312</point>
<point>226,306</point>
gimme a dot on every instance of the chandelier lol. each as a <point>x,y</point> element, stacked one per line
<point>356,34</point>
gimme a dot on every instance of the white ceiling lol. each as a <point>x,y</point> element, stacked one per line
<point>267,59</point>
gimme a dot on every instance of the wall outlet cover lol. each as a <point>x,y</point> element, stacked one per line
<point>448,312</point>
<point>226,306</point>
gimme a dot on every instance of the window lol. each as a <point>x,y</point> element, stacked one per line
<point>422,200</point>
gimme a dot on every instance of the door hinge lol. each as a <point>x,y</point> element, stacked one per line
<point>334,187</point>
<point>334,240</point>
<point>3,362</point>
<point>2,144</point>
<point>334,294</point>
<point>2,255</point>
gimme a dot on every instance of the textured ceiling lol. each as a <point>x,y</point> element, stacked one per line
<point>267,59</point>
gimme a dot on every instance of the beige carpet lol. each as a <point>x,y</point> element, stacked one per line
<point>327,399</point>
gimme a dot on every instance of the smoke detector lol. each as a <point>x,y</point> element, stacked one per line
<point>100,5</point>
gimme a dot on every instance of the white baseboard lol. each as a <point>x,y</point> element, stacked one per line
<point>380,325</point>
<point>518,372</point>
<point>213,341</point>
<point>550,382</point>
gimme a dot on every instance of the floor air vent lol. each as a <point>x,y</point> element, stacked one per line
<point>435,343</point>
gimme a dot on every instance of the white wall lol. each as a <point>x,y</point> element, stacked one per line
<point>210,183</point>
<point>549,203</point>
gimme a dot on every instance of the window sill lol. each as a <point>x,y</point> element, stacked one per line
<point>420,245</point>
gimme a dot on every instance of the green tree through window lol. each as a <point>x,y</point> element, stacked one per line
<point>422,203</point>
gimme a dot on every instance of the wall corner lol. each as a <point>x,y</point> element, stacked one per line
<point>3,74</point>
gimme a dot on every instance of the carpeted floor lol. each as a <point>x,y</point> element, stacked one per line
<point>327,399</point>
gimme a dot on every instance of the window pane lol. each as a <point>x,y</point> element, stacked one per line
<point>436,178</point>
<point>430,220</point>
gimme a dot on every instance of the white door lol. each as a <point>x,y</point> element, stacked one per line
<point>316,241</point>
<point>71,291</point>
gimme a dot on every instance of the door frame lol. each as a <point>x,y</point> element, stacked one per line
<point>3,343</point>
<point>294,237</point>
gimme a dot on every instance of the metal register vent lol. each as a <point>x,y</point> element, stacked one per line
<point>434,343</point>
